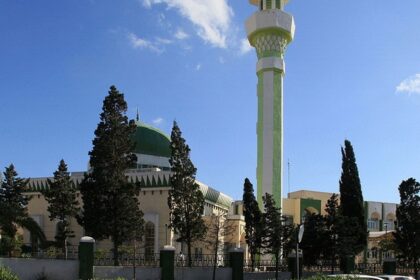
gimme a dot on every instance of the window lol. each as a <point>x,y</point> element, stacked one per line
<point>268,4</point>
<point>149,238</point>
<point>278,4</point>
<point>198,254</point>
<point>373,224</point>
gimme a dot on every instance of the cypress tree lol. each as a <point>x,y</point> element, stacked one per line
<point>351,202</point>
<point>110,201</point>
<point>407,234</point>
<point>314,238</point>
<point>62,203</point>
<point>331,223</point>
<point>14,212</point>
<point>275,230</point>
<point>185,200</point>
<point>253,221</point>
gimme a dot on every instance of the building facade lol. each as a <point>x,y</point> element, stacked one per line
<point>152,172</point>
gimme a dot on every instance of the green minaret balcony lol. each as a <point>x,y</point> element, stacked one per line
<point>269,4</point>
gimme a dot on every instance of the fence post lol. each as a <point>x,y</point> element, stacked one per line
<point>291,264</point>
<point>167,262</point>
<point>86,257</point>
<point>236,258</point>
<point>389,266</point>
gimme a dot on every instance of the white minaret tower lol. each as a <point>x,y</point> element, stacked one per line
<point>270,30</point>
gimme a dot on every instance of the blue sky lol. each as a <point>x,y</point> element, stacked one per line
<point>353,72</point>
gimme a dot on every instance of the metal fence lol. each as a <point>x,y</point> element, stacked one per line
<point>28,251</point>
<point>153,260</point>
<point>264,265</point>
<point>202,260</point>
<point>126,259</point>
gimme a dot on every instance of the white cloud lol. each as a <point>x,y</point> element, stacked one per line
<point>163,41</point>
<point>410,85</point>
<point>157,121</point>
<point>198,67</point>
<point>180,34</point>
<point>140,43</point>
<point>245,46</point>
<point>211,17</point>
<point>157,45</point>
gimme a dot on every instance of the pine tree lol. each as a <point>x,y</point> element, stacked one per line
<point>62,204</point>
<point>110,201</point>
<point>253,221</point>
<point>185,200</point>
<point>275,230</point>
<point>351,203</point>
<point>14,212</point>
<point>407,235</point>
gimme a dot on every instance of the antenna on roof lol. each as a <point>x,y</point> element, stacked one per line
<point>288,175</point>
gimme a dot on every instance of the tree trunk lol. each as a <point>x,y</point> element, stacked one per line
<point>216,247</point>
<point>252,261</point>
<point>189,253</point>
<point>277,266</point>
<point>215,259</point>
<point>116,254</point>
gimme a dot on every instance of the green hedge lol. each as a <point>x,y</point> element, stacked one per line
<point>6,274</point>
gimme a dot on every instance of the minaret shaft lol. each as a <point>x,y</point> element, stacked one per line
<point>270,133</point>
<point>269,31</point>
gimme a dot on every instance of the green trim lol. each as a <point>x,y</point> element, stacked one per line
<point>260,139</point>
<point>277,137</point>
<point>269,31</point>
<point>306,203</point>
<point>269,53</point>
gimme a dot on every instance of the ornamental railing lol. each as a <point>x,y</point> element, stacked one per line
<point>202,260</point>
<point>52,252</point>
<point>126,259</point>
<point>264,265</point>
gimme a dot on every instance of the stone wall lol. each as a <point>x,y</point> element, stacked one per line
<point>29,269</point>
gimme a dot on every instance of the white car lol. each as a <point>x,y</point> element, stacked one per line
<point>396,277</point>
<point>356,276</point>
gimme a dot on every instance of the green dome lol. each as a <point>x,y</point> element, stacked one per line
<point>151,141</point>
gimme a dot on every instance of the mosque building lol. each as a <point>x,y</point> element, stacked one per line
<point>153,173</point>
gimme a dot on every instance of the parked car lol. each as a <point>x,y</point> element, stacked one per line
<point>356,276</point>
<point>396,277</point>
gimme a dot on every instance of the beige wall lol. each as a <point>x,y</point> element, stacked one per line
<point>153,203</point>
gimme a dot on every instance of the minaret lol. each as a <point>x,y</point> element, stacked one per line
<point>270,30</point>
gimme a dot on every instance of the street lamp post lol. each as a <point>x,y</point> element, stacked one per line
<point>386,239</point>
<point>299,239</point>
<point>166,234</point>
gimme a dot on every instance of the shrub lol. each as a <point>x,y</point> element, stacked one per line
<point>6,274</point>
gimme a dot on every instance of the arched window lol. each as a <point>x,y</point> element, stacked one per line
<point>149,240</point>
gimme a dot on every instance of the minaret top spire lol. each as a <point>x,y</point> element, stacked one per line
<point>137,115</point>
<point>269,4</point>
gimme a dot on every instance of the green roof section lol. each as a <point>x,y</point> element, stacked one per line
<point>151,141</point>
<point>146,180</point>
